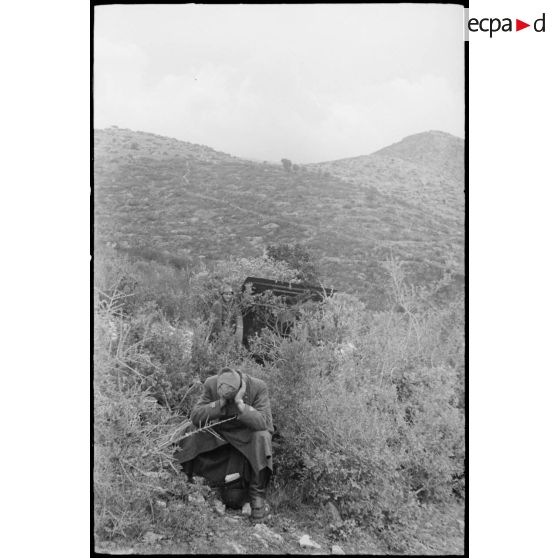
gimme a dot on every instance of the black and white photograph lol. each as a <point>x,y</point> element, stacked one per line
<point>279,279</point>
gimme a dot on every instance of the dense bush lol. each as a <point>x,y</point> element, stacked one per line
<point>298,258</point>
<point>139,283</point>
<point>164,318</point>
<point>136,484</point>
<point>369,411</point>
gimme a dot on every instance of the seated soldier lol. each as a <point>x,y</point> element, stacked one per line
<point>242,457</point>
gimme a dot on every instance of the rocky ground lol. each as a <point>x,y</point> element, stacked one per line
<point>296,530</point>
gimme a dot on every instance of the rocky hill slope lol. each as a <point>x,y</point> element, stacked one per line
<point>425,170</point>
<point>190,202</point>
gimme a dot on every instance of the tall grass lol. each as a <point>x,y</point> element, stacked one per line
<point>137,487</point>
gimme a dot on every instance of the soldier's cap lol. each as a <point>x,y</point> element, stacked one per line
<point>225,288</point>
<point>229,376</point>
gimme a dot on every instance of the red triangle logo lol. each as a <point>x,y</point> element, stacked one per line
<point>519,25</point>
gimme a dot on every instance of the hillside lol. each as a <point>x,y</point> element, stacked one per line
<point>426,170</point>
<point>186,201</point>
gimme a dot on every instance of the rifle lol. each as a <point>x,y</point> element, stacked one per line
<point>206,428</point>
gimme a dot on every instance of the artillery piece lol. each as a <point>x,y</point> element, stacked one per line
<point>280,318</point>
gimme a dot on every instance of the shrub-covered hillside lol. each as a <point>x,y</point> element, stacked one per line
<point>160,196</point>
<point>424,169</point>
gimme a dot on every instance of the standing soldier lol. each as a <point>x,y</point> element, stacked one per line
<point>226,314</point>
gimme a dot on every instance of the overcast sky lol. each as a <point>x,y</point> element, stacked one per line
<point>307,82</point>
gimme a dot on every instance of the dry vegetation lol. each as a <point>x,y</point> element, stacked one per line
<point>424,170</point>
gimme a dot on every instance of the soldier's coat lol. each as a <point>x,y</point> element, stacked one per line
<point>250,433</point>
<point>226,315</point>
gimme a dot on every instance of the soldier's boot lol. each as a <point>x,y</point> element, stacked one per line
<point>187,468</point>
<point>257,490</point>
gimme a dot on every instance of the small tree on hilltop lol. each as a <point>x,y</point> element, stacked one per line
<point>287,164</point>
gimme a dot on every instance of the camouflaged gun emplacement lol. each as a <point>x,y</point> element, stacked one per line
<point>283,316</point>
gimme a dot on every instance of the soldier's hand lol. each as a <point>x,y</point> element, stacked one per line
<point>242,390</point>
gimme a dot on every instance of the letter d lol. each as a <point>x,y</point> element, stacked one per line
<point>541,30</point>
